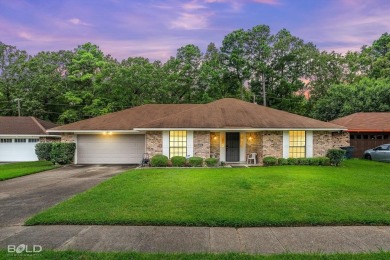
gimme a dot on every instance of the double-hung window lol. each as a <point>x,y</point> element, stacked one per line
<point>297,145</point>
<point>177,143</point>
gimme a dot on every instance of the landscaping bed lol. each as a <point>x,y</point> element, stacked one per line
<point>356,193</point>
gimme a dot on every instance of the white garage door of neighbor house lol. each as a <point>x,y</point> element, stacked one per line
<point>18,149</point>
<point>110,149</point>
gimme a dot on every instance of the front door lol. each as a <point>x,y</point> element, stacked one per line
<point>232,147</point>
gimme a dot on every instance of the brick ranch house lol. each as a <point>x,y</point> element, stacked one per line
<point>227,129</point>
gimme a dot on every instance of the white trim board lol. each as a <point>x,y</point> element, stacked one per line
<point>240,129</point>
<point>96,131</point>
<point>26,136</point>
<point>142,130</point>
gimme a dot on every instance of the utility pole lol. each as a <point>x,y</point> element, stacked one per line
<point>18,100</point>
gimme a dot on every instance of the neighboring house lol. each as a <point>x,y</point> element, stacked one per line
<point>367,130</point>
<point>19,135</point>
<point>227,129</point>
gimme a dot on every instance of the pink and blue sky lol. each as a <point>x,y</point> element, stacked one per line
<point>155,29</point>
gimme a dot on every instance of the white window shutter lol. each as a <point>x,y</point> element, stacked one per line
<point>190,143</point>
<point>166,143</point>
<point>309,144</point>
<point>286,144</point>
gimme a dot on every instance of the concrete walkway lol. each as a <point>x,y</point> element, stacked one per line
<point>200,239</point>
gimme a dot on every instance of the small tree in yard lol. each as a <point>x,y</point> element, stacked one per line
<point>335,156</point>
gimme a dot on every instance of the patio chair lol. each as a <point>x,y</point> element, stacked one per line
<point>251,157</point>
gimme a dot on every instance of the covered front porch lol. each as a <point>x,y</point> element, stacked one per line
<point>234,147</point>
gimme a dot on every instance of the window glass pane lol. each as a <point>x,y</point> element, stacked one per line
<point>297,144</point>
<point>177,143</point>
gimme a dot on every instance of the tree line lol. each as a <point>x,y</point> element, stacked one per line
<point>277,70</point>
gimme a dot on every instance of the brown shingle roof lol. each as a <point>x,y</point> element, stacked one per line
<point>366,122</point>
<point>13,125</point>
<point>234,113</point>
<point>127,119</point>
<point>223,113</point>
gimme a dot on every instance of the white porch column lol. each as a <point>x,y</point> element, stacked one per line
<point>309,144</point>
<point>242,147</point>
<point>222,147</point>
<point>286,144</point>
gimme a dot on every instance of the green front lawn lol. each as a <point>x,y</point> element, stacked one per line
<point>13,170</point>
<point>203,256</point>
<point>356,193</point>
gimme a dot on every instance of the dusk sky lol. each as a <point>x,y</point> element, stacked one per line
<point>156,29</point>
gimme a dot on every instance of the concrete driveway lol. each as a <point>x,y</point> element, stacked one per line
<point>25,196</point>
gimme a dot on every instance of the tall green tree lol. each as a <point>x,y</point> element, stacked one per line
<point>42,84</point>
<point>11,69</point>
<point>85,76</point>
<point>212,84</point>
<point>258,55</point>
<point>278,65</point>
<point>234,53</point>
<point>367,95</point>
<point>188,66</point>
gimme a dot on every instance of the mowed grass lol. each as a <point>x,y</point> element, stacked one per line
<point>13,170</point>
<point>201,256</point>
<point>356,193</point>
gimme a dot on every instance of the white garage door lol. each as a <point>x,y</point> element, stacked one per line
<point>110,149</point>
<point>18,149</point>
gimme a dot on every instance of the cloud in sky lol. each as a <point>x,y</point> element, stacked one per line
<point>77,21</point>
<point>157,28</point>
<point>190,21</point>
<point>349,24</point>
